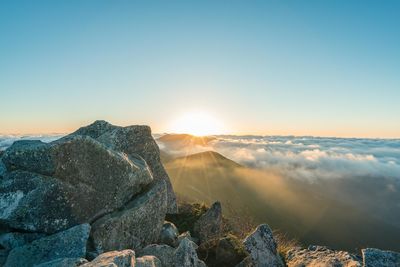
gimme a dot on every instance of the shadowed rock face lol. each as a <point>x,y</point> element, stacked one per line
<point>67,244</point>
<point>209,225</point>
<point>132,140</point>
<point>139,223</point>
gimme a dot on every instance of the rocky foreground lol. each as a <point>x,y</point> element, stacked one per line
<point>100,197</point>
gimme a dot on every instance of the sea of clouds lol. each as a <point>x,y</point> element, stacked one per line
<point>309,157</point>
<point>298,157</point>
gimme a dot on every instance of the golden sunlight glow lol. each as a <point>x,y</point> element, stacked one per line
<point>197,123</point>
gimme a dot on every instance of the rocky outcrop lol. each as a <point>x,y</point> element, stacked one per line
<point>107,176</point>
<point>138,224</point>
<point>208,226</point>
<point>169,234</point>
<point>320,256</point>
<point>262,247</point>
<point>375,257</point>
<point>134,141</point>
<point>70,243</point>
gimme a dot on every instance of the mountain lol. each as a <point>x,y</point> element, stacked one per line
<point>200,160</point>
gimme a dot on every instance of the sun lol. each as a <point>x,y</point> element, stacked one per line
<point>197,123</point>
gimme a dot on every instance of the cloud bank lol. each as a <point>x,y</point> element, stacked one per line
<point>308,157</point>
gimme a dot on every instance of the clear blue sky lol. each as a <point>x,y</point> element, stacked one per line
<point>263,67</point>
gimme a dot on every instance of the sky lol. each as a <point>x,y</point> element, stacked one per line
<point>322,68</point>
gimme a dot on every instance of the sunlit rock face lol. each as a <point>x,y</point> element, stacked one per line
<point>262,247</point>
<point>321,256</point>
<point>135,141</point>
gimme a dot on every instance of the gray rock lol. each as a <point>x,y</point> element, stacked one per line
<point>169,234</point>
<point>136,225</point>
<point>88,180</point>
<point>14,239</point>
<point>33,202</point>
<point>262,247</point>
<point>124,258</point>
<point>375,257</point>
<point>148,261</point>
<point>70,243</point>
<point>164,253</point>
<point>186,256</point>
<point>133,140</point>
<point>64,262</point>
<point>208,226</point>
<point>320,256</point>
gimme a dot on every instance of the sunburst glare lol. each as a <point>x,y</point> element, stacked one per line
<point>197,123</point>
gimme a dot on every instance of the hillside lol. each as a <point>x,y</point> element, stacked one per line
<point>314,213</point>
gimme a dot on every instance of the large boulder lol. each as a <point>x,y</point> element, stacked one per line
<point>262,247</point>
<point>169,234</point>
<point>70,243</point>
<point>87,181</point>
<point>375,257</point>
<point>133,141</point>
<point>321,256</point>
<point>136,225</point>
<point>209,225</point>
<point>124,258</point>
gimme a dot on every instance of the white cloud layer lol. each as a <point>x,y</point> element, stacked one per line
<point>315,157</point>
